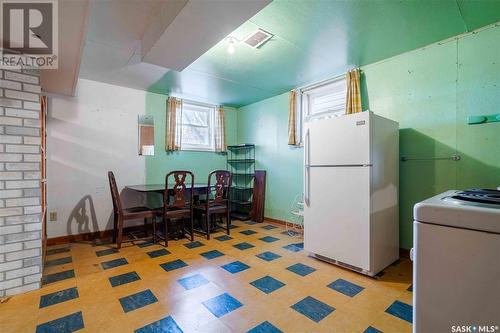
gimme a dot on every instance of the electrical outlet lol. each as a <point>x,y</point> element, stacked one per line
<point>53,216</point>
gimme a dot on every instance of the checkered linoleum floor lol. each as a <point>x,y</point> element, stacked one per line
<point>259,279</point>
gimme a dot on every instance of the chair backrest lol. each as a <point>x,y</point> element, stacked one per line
<point>219,182</point>
<point>115,195</point>
<point>178,190</point>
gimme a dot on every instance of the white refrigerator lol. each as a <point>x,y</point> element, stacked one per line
<point>351,191</point>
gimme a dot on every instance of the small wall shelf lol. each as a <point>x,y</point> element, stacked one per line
<point>241,163</point>
<point>475,120</point>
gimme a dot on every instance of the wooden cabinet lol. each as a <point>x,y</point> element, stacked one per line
<point>259,196</point>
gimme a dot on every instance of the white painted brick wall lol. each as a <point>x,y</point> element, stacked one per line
<point>20,221</point>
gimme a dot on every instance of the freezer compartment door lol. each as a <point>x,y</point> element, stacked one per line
<point>337,214</point>
<point>343,140</point>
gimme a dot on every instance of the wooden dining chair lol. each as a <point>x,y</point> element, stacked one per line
<point>216,201</point>
<point>121,214</point>
<point>178,202</point>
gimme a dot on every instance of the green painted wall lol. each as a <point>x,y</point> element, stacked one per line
<point>265,124</point>
<point>200,163</point>
<point>430,92</point>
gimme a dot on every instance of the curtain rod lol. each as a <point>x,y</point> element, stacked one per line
<point>324,82</point>
<point>190,101</point>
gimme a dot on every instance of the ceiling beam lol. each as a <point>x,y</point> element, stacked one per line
<point>73,21</point>
<point>197,27</point>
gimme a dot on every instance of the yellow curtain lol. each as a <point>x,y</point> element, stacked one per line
<point>353,99</point>
<point>220,130</point>
<point>173,130</point>
<point>292,118</point>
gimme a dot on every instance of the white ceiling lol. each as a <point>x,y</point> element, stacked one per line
<point>133,43</point>
<point>72,30</point>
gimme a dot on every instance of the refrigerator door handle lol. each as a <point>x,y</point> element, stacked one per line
<point>307,169</point>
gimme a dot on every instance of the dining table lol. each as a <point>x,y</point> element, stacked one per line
<point>198,188</point>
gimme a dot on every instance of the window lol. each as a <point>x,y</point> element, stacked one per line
<point>325,101</point>
<point>197,126</point>
<point>320,101</point>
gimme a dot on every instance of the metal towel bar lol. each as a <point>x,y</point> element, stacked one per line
<point>454,157</point>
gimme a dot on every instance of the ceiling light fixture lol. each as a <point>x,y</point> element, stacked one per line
<point>230,47</point>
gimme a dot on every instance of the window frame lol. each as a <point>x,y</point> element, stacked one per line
<point>210,109</point>
<point>303,112</point>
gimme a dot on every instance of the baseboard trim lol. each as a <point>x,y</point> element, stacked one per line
<point>275,221</point>
<point>271,220</point>
<point>404,253</point>
<point>89,236</point>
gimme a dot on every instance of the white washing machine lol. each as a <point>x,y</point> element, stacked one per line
<point>456,269</point>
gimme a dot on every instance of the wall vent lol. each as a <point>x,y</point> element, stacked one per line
<point>257,38</point>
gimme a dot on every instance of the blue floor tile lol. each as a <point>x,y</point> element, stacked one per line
<point>66,324</point>
<point>58,276</point>
<point>243,246</point>
<point>118,280</point>
<point>290,233</point>
<point>59,261</point>
<point>267,284</point>
<point>58,297</point>
<point>212,254</point>
<point>222,304</point>
<point>175,264</point>
<point>265,327</point>
<point>410,288</point>
<point>106,252</point>
<point>158,253</point>
<point>292,247</point>
<point>138,300</point>
<point>58,250</point>
<point>269,239</point>
<point>401,310</point>
<point>313,309</point>
<point>301,269</point>
<point>165,325</point>
<point>345,287</point>
<point>269,227</point>
<point>371,329</point>
<point>248,232</point>
<point>194,245</point>
<point>193,281</point>
<point>145,244</point>
<point>114,263</point>
<point>223,238</point>
<point>268,256</point>
<point>235,267</point>
<point>250,222</point>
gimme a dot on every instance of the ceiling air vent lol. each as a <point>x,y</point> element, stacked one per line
<point>258,38</point>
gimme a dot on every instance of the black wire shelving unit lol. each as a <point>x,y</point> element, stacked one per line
<point>241,162</point>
